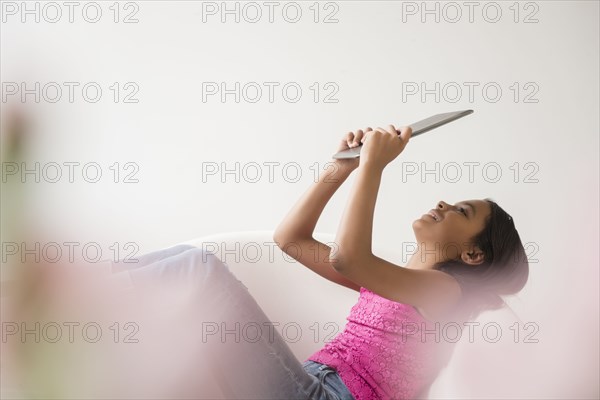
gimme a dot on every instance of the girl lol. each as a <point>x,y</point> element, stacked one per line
<point>468,255</point>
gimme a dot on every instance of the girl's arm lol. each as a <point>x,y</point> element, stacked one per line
<point>429,290</point>
<point>294,235</point>
<point>354,236</point>
<point>301,220</point>
<point>355,232</point>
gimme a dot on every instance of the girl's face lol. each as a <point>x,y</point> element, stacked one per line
<point>450,232</point>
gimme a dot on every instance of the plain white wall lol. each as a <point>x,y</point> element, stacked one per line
<point>547,131</point>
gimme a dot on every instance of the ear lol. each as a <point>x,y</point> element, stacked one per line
<point>473,256</point>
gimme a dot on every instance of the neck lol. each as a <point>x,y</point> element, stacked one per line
<point>425,257</point>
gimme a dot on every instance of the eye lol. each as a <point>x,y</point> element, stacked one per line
<point>463,211</point>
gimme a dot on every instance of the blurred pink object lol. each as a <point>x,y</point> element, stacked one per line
<point>76,331</point>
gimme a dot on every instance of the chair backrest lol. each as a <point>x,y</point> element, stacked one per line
<point>307,309</point>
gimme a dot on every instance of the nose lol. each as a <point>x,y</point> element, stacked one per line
<point>442,205</point>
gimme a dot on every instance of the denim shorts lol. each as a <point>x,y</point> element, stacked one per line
<point>329,379</point>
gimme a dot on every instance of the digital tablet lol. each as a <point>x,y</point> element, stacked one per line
<point>422,126</point>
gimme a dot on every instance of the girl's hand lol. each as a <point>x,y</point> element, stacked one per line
<point>350,141</point>
<point>382,146</point>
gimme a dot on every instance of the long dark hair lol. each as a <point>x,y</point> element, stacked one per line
<point>504,271</point>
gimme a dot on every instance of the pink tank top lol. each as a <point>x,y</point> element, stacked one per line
<point>387,350</point>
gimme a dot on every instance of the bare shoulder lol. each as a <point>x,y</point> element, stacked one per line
<point>447,295</point>
<point>432,291</point>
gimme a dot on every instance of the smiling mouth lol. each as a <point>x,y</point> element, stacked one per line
<point>435,215</point>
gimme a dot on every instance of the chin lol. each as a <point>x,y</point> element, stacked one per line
<point>419,223</point>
